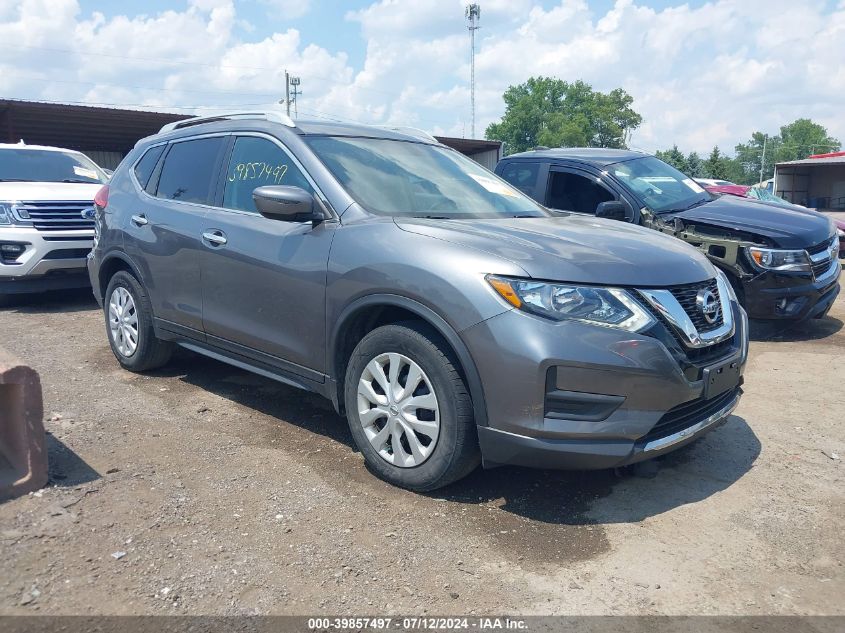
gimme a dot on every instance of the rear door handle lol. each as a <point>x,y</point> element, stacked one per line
<point>139,219</point>
<point>215,237</point>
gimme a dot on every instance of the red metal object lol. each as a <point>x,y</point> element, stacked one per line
<point>828,155</point>
<point>734,190</point>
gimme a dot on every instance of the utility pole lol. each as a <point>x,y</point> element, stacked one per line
<point>763,159</point>
<point>287,92</point>
<point>295,82</point>
<point>473,15</point>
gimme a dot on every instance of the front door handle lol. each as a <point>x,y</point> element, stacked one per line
<point>216,238</point>
<point>139,219</point>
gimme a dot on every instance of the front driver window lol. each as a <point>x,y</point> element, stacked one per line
<point>571,192</point>
<point>257,162</point>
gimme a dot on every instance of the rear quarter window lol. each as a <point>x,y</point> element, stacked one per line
<point>144,167</point>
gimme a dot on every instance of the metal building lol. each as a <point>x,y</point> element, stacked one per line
<point>107,134</point>
<point>814,182</point>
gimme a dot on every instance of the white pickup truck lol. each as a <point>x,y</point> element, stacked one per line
<point>44,236</point>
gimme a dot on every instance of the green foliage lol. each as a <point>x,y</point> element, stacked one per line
<point>674,157</point>
<point>796,141</point>
<point>556,113</point>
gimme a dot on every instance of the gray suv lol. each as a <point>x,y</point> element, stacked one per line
<point>449,317</point>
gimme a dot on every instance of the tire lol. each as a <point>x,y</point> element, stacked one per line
<point>148,352</point>
<point>444,427</point>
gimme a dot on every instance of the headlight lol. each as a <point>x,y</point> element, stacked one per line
<point>777,259</point>
<point>9,215</point>
<point>609,307</point>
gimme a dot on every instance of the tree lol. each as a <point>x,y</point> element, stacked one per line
<point>716,165</point>
<point>673,157</point>
<point>796,141</point>
<point>556,113</point>
<point>695,166</point>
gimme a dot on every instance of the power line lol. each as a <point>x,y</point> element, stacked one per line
<point>143,105</point>
<point>114,85</point>
<point>186,63</point>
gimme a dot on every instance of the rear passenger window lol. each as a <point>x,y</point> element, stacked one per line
<point>144,167</point>
<point>257,162</point>
<point>188,172</point>
<point>523,176</point>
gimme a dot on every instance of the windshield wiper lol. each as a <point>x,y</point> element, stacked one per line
<point>431,217</point>
<point>84,182</point>
<point>15,180</point>
<point>696,204</point>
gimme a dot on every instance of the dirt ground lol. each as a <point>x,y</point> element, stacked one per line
<point>203,489</point>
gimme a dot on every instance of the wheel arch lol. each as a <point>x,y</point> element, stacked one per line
<point>111,264</point>
<point>367,313</point>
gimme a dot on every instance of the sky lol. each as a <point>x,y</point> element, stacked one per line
<point>701,73</point>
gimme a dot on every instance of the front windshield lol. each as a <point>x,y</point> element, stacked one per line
<point>38,165</point>
<point>767,196</point>
<point>659,186</point>
<point>400,178</point>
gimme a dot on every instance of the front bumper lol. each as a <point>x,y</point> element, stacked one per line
<point>574,396</point>
<point>50,260</point>
<point>788,295</point>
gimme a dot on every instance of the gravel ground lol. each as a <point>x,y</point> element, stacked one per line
<point>203,489</point>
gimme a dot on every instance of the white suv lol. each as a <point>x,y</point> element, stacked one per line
<point>44,234</point>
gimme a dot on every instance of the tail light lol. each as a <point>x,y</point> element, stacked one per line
<point>102,197</point>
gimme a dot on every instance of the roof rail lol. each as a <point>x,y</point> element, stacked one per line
<point>410,131</point>
<point>268,115</point>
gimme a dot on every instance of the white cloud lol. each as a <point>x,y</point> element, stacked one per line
<point>699,76</point>
<point>287,9</point>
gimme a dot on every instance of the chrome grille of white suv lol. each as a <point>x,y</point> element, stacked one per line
<point>55,215</point>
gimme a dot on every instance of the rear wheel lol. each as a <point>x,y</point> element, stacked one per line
<point>129,325</point>
<point>408,408</point>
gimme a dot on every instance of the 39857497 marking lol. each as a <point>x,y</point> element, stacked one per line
<point>349,623</point>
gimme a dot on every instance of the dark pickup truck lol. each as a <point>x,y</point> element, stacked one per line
<point>782,262</point>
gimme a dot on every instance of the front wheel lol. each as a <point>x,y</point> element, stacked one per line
<point>129,325</point>
<point>409,409</point>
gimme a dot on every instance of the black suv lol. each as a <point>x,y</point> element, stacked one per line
<point>782,262</point>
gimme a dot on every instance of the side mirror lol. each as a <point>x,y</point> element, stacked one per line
<point>288,204</point>
<point>612,210</point>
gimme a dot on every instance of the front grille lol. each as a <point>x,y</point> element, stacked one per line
<point>686,296</point>
<point>818,248</point>
<point>688,414</point>
<point>68,253</point>
<point>57,216</point>
<point>822,266</point>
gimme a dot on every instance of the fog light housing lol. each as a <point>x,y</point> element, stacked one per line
<point>790,307</point>
<point>10,252</point>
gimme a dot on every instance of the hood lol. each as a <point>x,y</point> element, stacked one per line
<point>579,249</point>
<point>47,191</point>
<point>786,227</point>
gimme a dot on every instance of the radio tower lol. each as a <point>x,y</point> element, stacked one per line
<point>473,16</point>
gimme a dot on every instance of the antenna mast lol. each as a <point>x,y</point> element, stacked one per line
<point>473,16</point>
